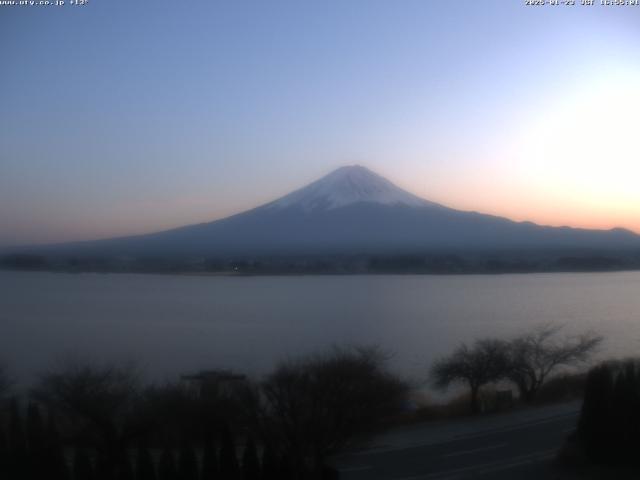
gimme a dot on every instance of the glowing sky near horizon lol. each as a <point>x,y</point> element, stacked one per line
<point>128,117</point>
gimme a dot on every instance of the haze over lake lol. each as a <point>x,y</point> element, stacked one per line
<point>175,324</point>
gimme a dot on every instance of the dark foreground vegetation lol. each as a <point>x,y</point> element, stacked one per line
<point>101,422</point>
<point>84,421</point>
<point>609,426</point>
<point>606,442</point>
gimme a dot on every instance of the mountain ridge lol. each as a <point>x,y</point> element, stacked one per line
<point>349,212</point>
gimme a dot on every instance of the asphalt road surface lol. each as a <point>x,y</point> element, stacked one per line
<point>521,450</point>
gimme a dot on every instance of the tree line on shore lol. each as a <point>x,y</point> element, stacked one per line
<point>86,421</point>
<point>419,263</point>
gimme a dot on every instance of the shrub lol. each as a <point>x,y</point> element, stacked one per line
<point>609,423</point>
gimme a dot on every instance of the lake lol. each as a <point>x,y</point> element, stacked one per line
<point>172,325</point>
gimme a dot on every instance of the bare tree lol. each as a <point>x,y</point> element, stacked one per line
<point>97,402</point>
<point>319,405</point>
<point>484,362</point>
<point>534,355</point>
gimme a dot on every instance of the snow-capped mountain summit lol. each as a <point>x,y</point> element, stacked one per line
<point>346,186</point>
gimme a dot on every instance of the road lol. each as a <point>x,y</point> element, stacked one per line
<point>506,447</point>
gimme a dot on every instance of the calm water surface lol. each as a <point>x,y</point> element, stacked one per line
<point>176,324</point>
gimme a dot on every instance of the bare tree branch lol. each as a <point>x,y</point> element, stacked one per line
<point>484,362</point>
<point>319,405</point>
<point>97,400</point>
<point>534,355</point>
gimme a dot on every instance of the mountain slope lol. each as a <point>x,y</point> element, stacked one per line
<point>352,211</point>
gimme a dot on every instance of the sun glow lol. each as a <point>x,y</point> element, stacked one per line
<point>585,150</point>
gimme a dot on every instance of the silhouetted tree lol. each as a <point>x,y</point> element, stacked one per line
<point>270,467</point>
<point>18,459</point>
<point>36,442</point>
<point>36,438</point>
<point>209,462</point>
<point>317,406</point>
<point>199,403</point>
<point>250,462</point>
<point>82,465</point>
<point>96,399</point>
<point>595,422</point>
<point>4,453</point>
<point>166,466</point>
<point>124,469</point>
<point>534,355</point>
<point>172,411</point>
<point>229,468</point>
<point>624,414</point>
<point>484,362</point>
<point>187,463</point>
<point>145,469</point>
<point>286,469</point>
<point>609,424</point>
<point>56,462</point>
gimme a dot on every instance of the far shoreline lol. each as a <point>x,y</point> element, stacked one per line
<point>239,274</point>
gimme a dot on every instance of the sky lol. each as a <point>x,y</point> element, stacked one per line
<point>122,117</point>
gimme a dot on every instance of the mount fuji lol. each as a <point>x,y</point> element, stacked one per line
<point>346,186</point>
<point>351,211</point>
